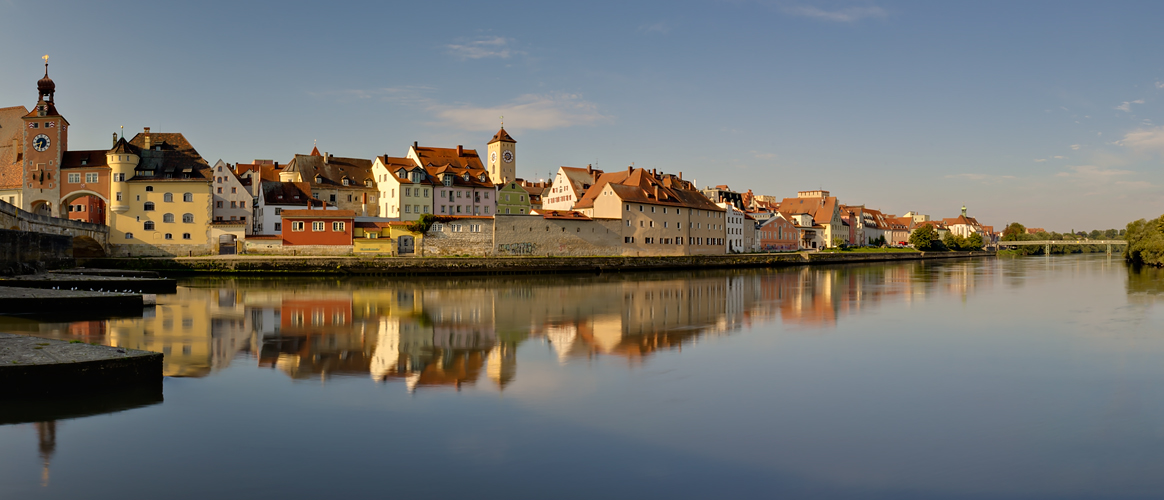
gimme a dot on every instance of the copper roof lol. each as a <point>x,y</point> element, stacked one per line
<point>502,136</point>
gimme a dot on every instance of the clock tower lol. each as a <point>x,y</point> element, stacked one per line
<point>43,147</point>
<point>502,158</point>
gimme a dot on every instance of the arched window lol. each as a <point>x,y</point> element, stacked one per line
<point>168,218</point>
<point>187,218</point>
<point>168,197</point>
<point>149,205</point>
<point>129,236</point>
<point>188,197</point>
<point>169,236</point>
<point>185,236</point>
<point>149,188</point>
<point>149,225</point>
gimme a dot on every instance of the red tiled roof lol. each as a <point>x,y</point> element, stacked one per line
<point>84,159</point>
<point>437,157</point>
<point>640,185</point>
<point>319,214</point>
<point>561,214</point>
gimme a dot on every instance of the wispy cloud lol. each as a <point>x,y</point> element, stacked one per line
<point>659,28</point>
<point>1160,85</point>
<point>1092,173</point>
<point>1127,105</point>
<point>530,111</point>
<point>983,178</point>
<point>1144,140</point>
<point>1075,147</point>
<point>1058,157</point>
<point>845,15</point>
<point>763,156</point>
<point>483,48</point>
<point>1040,160</point>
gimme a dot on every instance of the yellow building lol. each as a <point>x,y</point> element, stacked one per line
<point>160,197</point>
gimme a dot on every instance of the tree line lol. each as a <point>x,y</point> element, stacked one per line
<point>1145,242</point>
<point>1018,232</point>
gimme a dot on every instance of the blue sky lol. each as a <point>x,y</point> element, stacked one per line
<point>1040,112</point>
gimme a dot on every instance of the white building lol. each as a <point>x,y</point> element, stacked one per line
<point>231,201</point>
<point>274,198</point>
<point>734,236</point>
<point>569,185</point>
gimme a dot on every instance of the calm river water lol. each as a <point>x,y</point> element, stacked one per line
<point>1025,378</point>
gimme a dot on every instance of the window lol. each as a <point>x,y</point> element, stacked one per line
<point>188,197</point>
<point>317,226</point>
<point>149,206</point>
<point>407,209</point>
<point>338,226</point>
<point>168,218</point>
<point>233,204</point>
<point>220,190</point>
<point>119,196</point>
<point>295,225</point>
<point>169,236</point>
<point>278,226</point>
<point>640,208</point>
<point>628,223</point>
<point>148,226</point>
<point>407,191</point>
<point>218,204</point>
<point>129,236</point>
<point>278,211</point>
<point>168,197</point>
<point>74,178</point>
<point>149,188</point>
<point>648,240</point>
<point>187,218</point>
<point>233,190</point>
<point>628,239</point>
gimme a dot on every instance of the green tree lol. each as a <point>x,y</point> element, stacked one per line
<point>953,241</point>
<point>1014,232</point>
<point>1145,242</point>
<point>925,238</point>
<point>973,242</point>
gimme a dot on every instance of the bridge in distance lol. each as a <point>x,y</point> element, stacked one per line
<point>1046,244</point>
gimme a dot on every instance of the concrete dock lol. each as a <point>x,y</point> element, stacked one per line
<point>17,300</point>
<point>34,366</point>
<point>93,282</point>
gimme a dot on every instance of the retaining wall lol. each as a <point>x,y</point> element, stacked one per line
<point>24,252</point>
<point>532,235</point>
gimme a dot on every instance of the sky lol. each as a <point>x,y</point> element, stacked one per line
<point>1043,113</point>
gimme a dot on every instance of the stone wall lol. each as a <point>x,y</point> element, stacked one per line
<point>537,236</point>
<point>147,250</point>
<point>266,248</point>
<point>14,218</point>
<point>468,236</point>
<point>24,252</point>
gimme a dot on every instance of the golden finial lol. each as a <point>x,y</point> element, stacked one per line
<point>502,117</point>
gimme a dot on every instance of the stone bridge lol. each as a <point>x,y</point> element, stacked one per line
<point>89,240</point>
<point>1046,244</point>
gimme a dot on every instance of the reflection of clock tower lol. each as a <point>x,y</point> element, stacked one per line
<point>502,158</point>
<point>45,141</point>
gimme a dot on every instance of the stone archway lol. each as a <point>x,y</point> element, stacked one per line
<point>87,206</point>
<point>41,207</point>
<point>85,247</point>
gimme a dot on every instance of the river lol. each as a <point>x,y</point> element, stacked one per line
<point>1035,377</point>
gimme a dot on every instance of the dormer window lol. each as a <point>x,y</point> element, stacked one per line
<point>465,176</point>
<point>481,177</point>
<point>403,174</point>
<point>448,180</point>
<point>368,183</point>
<point>346,181</point>
<point>319,179</point>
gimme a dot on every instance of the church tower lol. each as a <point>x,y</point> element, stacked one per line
<point>502,158</point>
<point>45,142</point>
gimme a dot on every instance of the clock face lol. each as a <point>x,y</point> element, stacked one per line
<point>40,142</point>
<point>507,156</point>
<point>493,157</point>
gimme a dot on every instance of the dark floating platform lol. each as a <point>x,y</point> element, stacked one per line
<point>34,366</point>
<point>94,282</point>
<point>15,300</point>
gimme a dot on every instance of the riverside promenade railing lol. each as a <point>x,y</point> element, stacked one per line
<point>1046,244</point>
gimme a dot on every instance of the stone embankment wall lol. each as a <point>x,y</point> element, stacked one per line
<point>503,265</point>
<point>460,237</point>
<point>537,236</point>
<point>15,219</point>
<point>24,252</point>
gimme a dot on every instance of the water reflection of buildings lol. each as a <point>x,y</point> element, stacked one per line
<point>451,332</point>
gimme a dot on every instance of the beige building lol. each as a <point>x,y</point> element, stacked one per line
<point>661,214</point>
<point>569,186</point>
<point>825,212</point>
<point>345,183</point>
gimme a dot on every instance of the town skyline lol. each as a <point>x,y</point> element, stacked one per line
<point>1051,140</point>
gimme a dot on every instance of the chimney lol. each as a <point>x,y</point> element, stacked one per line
<point>415,144</point>
<point>680,175</point>
<point>326,157</point>
<point>147,137</point>
<point>589,169</point>
<point>460,150</point>
<point>115,139</point>
<point>630,169</point>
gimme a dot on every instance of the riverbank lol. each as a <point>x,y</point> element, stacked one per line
<point>33,366</point>
<point>244,264</point>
